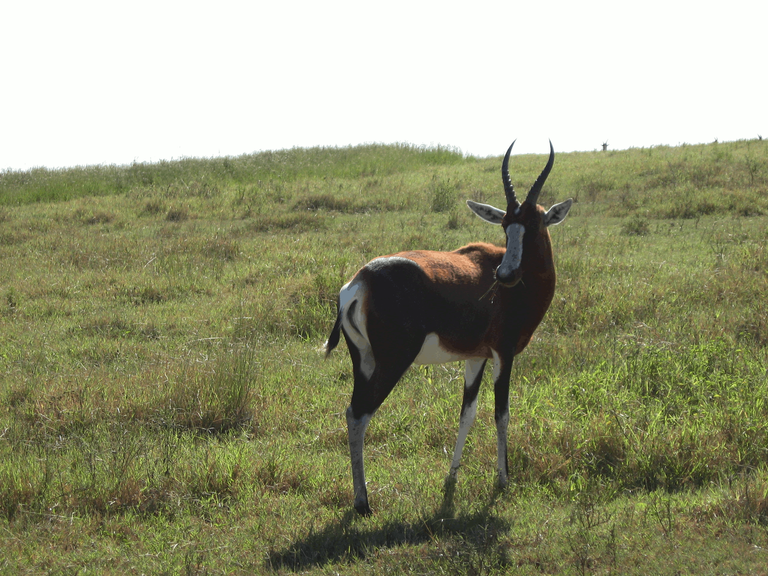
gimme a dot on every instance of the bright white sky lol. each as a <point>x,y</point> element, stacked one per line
<point>109,82</point>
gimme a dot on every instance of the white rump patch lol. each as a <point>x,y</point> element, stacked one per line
<point>384,261</point>
<point>357,329</point>
<point>433,353</point>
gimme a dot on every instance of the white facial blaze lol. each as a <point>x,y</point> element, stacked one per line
<point>514,254</point>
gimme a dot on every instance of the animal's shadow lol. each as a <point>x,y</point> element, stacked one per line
<point>349,539</point>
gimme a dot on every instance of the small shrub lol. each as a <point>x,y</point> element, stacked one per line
<point>754,331</point>
<point>594,186</point>
<point>454,220</point>
<point>222,249</point>
<point>294,222</point>
<point>145,295</point>
<point>215,399</point>
<point>153,208</point>
<point>177,215</point>
<point>635,226</point>
<point>324,202</point>
<point>93,217</point>
<point>12,301</point>
<point>105,327</point>
<point>443,194</point>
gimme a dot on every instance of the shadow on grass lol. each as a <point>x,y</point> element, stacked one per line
<point>350,539</point>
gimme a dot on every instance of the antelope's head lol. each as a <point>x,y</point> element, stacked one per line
<point>524,224</point>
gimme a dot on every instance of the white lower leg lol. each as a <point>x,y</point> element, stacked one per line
<point>473,370</point>
<point>465,423</point>
<point>356,430</point>
<point>501,438</point>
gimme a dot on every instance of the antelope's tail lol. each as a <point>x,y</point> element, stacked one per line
<point>333,339</point>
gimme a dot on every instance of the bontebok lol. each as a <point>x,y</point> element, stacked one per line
<point>476,303</point>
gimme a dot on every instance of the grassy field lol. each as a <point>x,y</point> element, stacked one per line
<point>164,408</point>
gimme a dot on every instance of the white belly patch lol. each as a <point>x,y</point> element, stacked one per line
<point>433,353</point>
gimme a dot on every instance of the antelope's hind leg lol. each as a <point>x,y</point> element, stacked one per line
<point>373,383</point>
<point>358,416</point>
<point>356,427</point>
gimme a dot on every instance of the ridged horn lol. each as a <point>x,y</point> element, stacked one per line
<point>509,189</point>
<point>533,195</point>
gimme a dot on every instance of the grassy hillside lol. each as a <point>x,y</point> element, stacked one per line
<point>164,409</point>
<point>216,174</point>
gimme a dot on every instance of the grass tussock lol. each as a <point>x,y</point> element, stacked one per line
<point>162,402</point>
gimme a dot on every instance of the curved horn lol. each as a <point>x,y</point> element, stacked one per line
<point>533,195</point>
<point>509,189</point>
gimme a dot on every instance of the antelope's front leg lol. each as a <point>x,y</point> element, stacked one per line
<point>473,375</point>
<point>501,374</point>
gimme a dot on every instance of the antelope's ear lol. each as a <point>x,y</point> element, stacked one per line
<point>557,213</point>
<point>486,212</point>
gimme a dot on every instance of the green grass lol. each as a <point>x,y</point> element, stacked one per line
<point>164,408</point>
<point>246,175</point>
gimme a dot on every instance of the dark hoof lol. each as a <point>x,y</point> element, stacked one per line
<point>363,509</point>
